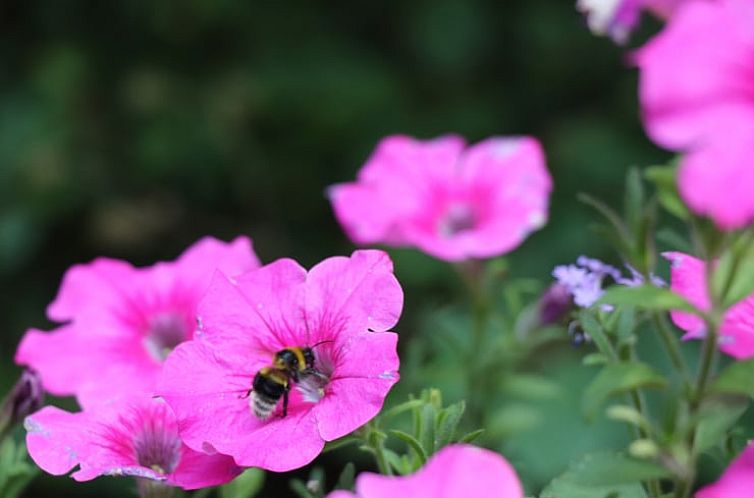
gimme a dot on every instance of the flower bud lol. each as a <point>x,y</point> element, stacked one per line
<point>25,398</point>
<point>555,304</point>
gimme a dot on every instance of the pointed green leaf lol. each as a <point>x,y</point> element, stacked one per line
<point>646,297</point>
<point>736,379</point>
<point>619,378</point>
<point>247,485</point>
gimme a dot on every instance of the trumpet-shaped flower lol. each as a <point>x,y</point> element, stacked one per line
<point>737,481</point>
<point>697,92</point>
<point>129,436</point>
<point>122,321</point>
<point>458,470</point>
<point>342,309</point>
<point>451,201</point>
<point>688,279</point>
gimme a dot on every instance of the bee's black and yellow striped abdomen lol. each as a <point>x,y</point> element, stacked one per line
<point>269,386</point>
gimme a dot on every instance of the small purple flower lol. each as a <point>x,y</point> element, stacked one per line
<point>584,280</point>
<point>638,279</point>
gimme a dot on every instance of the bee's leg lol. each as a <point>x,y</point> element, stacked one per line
<point>247,394</point>
<point>285,401</point>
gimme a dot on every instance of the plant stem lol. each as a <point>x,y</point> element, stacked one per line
<point>382,464</point>
<point>671,346</point>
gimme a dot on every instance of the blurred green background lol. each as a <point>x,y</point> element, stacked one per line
<point>131,129</point>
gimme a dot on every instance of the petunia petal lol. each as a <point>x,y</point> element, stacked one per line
<point>353,295</point>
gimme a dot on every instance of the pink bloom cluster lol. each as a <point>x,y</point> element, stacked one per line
<point>121,322</point>
<point>451,201</point>
<point>345,306</point>
<point>455,471</point>
<point>697,93</point>
<point>688,279</point>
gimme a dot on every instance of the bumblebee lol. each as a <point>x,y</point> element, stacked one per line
<point>274,382</point>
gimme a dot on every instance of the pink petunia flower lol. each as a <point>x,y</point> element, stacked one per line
<point>737,480</point>
<point>688,279</point>
<point>697,93</point>
<point>130,436</point>
<point>458,470</point>
<point>342,309</point>
<point>618,18</point>
<point>122,321</point>
<point>451,201</point>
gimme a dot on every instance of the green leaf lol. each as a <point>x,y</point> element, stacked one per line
<point>716,419</point>
<point>664,178</point>
<point>736,379</point>
<point>604,474</point>
<point>413,443</point>
<point>646,297</point>
<point>347,477</point>
<point>247,485</point>
<point>619,378</point>
<point>635,200</point>
<point>733,278</point>
<point>428,416</point>
<point>595,331</point>
<point>471,436</point>
<point>621,230</point>
<point>447,423</point>
<point>594,359</point>
<point>534,387</point>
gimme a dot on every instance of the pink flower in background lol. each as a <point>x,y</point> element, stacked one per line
<point>341,308</point>
<point>618,18</point>
<point>697,93</point>
<point>451,201</point>
<point>123,437</point>
<point>688,279</point>
<point>455,471</point>
<point>737,481</point>
<point>122,321</point>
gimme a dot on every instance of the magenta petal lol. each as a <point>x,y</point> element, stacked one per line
<point>74,362</point>
<point>276,297</point>
<point>200,386</point>
<point>91,288</point>
<point>199,262</point>
<point>687,279</point>
<point>695,76</point>
<point>199,470</point>
<point>341,494</point>
<point>54,439</point>
<point>737,481</point>
<point>367,367</point>
<point>458,470</point>
<point>353,294</point>
<point>397,181</point>
<point>717,180</point>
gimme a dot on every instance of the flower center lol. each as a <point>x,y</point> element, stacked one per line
<point>157,448</point>
<point>458,218</point>
<point>312,385</point>
<point>164,332</point>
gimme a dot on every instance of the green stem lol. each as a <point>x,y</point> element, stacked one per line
<point>472,273</point>
<point>670,342</point>
<point>382,464</point>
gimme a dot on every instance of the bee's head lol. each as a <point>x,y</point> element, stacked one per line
<point>290,360</point>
